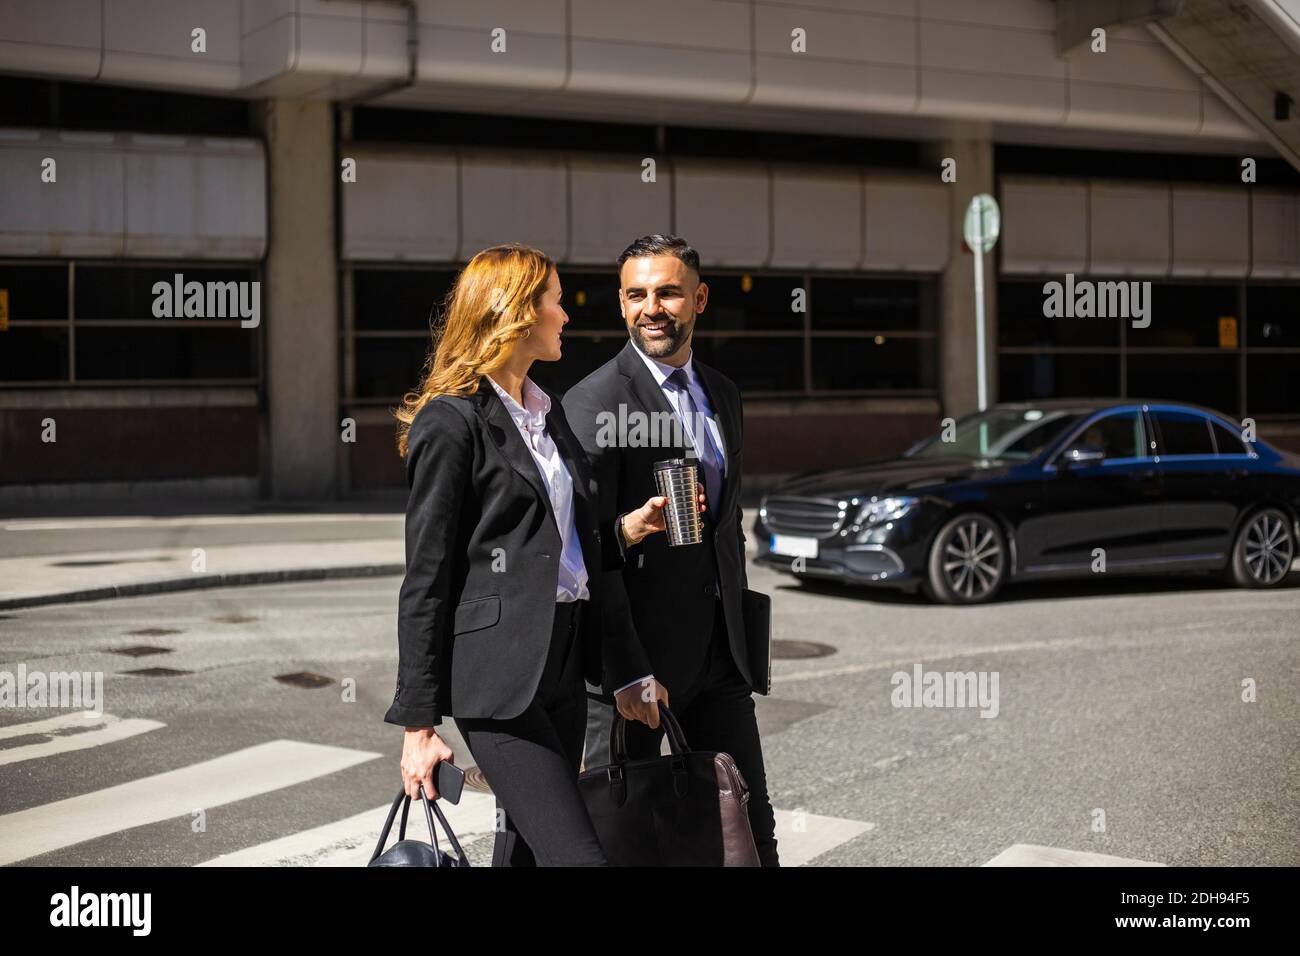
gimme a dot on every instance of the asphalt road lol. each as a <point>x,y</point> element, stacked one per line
<point>1123,696</point>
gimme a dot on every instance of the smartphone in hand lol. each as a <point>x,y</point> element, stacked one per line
<point>451,780</point>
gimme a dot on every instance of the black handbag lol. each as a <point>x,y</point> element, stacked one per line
<point>415,852</point>
<point>689,808</point>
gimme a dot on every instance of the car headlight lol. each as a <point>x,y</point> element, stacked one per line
<point>884,509</point>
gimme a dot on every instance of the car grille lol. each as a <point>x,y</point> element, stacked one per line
<point>811,516</point>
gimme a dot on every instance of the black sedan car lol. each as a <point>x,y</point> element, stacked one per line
<point>1057,489</point>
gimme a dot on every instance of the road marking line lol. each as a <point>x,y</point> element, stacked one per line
<point>175,793</point>
<point>1031,854</point>
<point>815,835</point>
<point>90,730</point>
<point>350,842</point>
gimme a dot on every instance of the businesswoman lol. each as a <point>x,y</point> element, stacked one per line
<point>498,620</point>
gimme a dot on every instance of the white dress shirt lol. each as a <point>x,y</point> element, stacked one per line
<point>660,371</point>
<point>531,421</point>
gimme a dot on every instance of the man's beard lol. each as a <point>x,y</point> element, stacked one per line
<point>674,334</point>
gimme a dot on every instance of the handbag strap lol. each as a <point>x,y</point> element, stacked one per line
<point>676,739</point>
<point>430,810</point>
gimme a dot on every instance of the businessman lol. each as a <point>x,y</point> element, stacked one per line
<point>680,606</point>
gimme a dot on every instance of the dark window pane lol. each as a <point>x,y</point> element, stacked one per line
<point>869,305</point>
<point>1182,433</point>
<point>1023,377</point>
<point>1119,436</point>
<point>1228,441</point>
<point>881,363</point>
<point>580,356</point>
<point>1271,384</point>
<point>33,354</point>
<point>755,364</point>
<point>166,353</point>
<point>1185,315</point>
<point>100,106</point>
<point>1273,316</point>
<point>36,292</point>
<point>388,368</point>
<point>766,306</point>
<point>591,301</point>
<point>397,299</point>
<point>1209,380</point>
<point>126,292</point>
<point>1021,321</point>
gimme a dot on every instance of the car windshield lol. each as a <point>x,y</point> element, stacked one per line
<point>1005,434</point>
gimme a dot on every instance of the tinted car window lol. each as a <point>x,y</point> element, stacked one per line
<point>1183,433</point>
<point>1017,434</point>
<point>1229,442</point>
<point>1119,435</point>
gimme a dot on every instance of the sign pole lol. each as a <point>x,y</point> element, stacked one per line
<point>981,373</point>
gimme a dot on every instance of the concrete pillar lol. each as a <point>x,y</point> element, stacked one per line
<point>300,300</point>
<point>972,148</point>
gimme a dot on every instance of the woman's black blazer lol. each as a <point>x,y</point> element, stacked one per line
<point>477,604</point>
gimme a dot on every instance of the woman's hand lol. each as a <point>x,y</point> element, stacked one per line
<point>649,518</point>
<point>422,749</point>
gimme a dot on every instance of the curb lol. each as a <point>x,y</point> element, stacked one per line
<point>198,582</point>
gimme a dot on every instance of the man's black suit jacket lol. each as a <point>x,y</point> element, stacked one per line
<point>662,602</point>
<point>477,605</point>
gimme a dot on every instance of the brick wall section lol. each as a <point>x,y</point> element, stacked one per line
<point>137,443</point>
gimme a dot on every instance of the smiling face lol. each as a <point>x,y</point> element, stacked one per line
<point>543,342</point>
<point>660,296</point>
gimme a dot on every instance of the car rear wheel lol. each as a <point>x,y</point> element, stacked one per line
<point>1265,548</point>
<point>968,560</point>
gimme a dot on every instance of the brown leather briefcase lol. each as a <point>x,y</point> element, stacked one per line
<point>689,808</point>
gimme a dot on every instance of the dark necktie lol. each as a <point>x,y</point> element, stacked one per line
<point>698,432</point>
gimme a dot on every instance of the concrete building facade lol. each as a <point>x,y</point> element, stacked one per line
<point>344,158</point>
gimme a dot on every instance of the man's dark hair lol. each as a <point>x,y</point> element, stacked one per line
<point>660,245</point>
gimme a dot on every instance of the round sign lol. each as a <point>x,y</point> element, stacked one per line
<point>983,223</point>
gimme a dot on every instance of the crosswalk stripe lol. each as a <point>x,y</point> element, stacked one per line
<point>350,842</point>
<point>1031,854</point>
<point>211,783</point>
<point>800,836</point>
<point>89,730</point>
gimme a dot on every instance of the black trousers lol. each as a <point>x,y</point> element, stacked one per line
<point>531,762</point>
<point>717,714</point>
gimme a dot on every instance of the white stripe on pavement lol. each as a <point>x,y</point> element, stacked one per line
<point>212,783</point>
<point>350,842</point>
<point>79,731</point>
<point>1031,854</point>
<point>802,836</point>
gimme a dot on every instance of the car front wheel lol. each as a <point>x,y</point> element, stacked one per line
<point>1265,547</point>
<point>968,560</point>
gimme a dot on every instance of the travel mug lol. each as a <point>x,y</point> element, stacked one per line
<point>677,480</point>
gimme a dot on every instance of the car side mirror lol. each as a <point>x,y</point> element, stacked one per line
<point>1079,455</point>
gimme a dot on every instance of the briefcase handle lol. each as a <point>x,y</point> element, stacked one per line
<point>430,809</point>
<point>676,739</point>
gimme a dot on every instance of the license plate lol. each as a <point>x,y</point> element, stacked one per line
<point>793,546</point>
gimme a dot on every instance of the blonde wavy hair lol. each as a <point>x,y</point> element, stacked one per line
<point>490,307</point>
